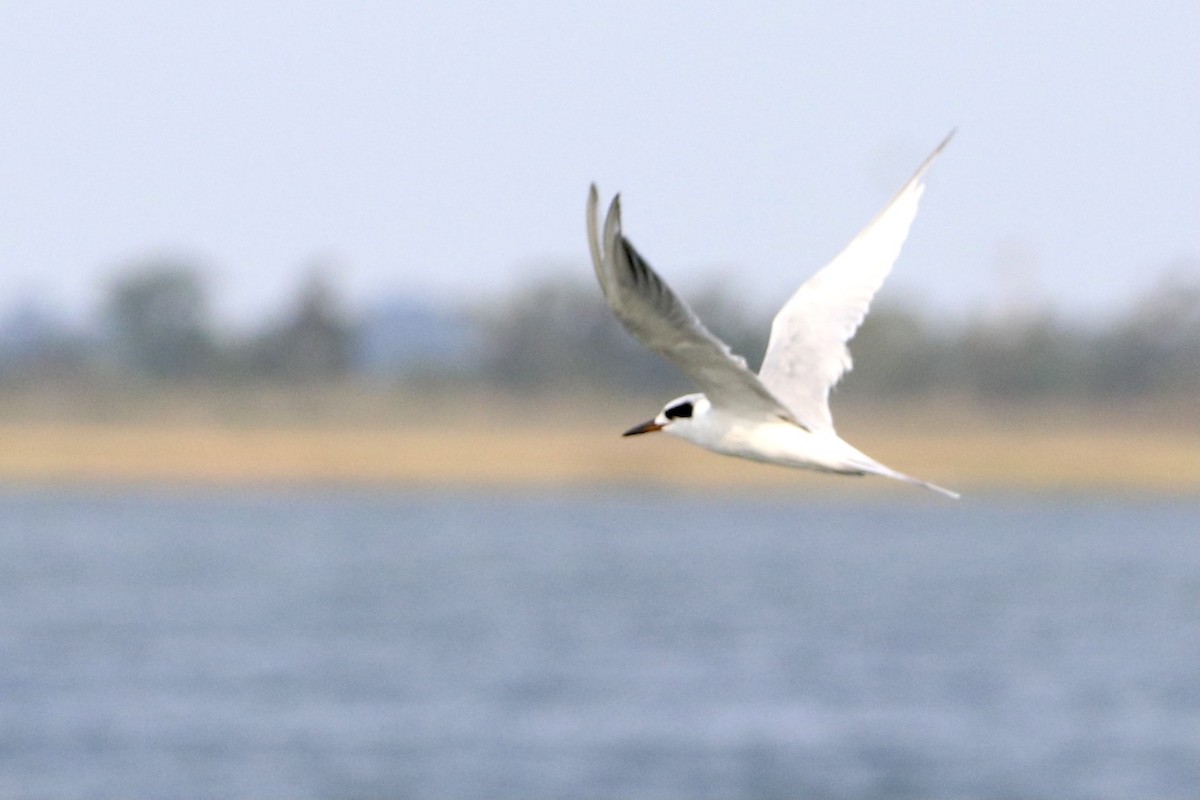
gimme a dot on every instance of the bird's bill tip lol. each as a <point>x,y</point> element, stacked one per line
<point>645,427</point>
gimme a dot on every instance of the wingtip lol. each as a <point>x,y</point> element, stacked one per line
<point>593,229</point>
<point>946,140</point>
<point>612,221</point>
<point>919,175</point>
<point>593,200</point>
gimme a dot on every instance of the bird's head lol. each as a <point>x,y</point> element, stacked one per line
<point>675,417</point>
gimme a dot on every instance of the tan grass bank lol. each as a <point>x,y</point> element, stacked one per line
<point>549,444</point>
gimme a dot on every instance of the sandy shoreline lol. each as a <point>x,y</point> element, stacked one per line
<point>487,453</point>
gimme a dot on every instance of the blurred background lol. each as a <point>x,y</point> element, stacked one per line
<point>310,481</point>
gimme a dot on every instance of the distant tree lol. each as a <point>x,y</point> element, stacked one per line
<point>157,318</point>
<point>35,344</point>
<point>1157,346</point>
<point>560,333</point>
<point>726,313</point>
<point>896,352</point>
<point>315,340</point>
<point>1019,357</point>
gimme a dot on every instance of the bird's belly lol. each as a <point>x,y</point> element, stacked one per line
<point>792,446</point>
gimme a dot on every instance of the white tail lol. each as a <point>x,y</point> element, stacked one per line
<point>918,482</point>
<point>872,467</point>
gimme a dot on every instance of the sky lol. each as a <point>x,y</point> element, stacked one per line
<point>443,150</point>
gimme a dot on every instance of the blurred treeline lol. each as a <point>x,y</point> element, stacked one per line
<point>156,326</point>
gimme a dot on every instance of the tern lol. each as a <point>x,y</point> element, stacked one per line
<point>781,415</point>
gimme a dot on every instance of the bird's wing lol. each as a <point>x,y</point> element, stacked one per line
<point>807,352</point>
<point>653,313</point>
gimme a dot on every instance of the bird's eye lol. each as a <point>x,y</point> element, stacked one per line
<point>681,410</point>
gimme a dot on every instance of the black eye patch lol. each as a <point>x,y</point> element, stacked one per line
<point>681,410</point>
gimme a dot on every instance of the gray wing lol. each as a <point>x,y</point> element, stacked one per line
<point>653,313</point>
<point>807,355</point>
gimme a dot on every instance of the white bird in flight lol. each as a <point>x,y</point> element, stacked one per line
<point>781,415</point>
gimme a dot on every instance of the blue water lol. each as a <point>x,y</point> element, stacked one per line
<point>351,644</point>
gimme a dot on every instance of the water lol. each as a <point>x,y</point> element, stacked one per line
<point>352,644</point>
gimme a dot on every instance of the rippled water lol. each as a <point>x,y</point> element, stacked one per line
<point>351,644</point>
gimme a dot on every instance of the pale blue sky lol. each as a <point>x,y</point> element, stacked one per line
<point>442,148</point>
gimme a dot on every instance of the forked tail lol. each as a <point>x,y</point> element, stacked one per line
<point>875,468</point>
<point>900,476</point>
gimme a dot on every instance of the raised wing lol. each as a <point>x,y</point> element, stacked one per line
<point>807,352</point>
<point>653,313</point>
